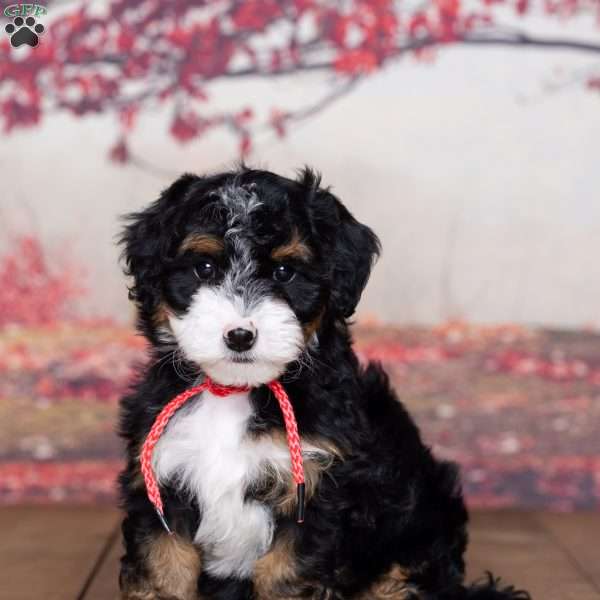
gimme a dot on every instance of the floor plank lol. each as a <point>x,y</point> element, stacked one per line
<point>515,546</point>
<point>48,552</point>
<point>579,535</point>
<point>105,584</point>
<point>51,553</point>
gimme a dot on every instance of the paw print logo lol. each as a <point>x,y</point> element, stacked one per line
<point>24,31</point>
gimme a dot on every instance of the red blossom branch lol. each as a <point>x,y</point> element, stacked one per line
<point>139,55</point>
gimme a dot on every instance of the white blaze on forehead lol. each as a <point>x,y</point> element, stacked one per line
<point>240,201</point>
<point>242,269</point>
<point>199,333</point>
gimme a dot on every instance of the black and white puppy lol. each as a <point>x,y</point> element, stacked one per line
<point>248,277</point>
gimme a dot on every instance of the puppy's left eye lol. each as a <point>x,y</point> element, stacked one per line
<point>206,270</point>
<point>283,273</point>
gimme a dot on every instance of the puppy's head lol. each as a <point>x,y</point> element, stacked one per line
<point>240,270</point>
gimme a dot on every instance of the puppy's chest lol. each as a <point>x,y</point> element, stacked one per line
<point>207,452</point>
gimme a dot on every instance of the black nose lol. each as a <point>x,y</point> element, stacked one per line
<point>240,339</point>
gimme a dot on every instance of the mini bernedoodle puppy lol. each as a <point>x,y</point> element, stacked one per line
<point>247,277</point>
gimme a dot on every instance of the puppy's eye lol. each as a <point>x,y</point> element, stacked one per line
<point>206,270</point>
<point>283,273</point>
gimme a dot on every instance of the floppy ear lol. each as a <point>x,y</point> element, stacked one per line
<point>356,250</point>
<point>148,240</point>
<point>353,247</point>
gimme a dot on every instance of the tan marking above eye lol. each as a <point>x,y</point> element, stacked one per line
<point>295,248</point>
<point>202,243</point>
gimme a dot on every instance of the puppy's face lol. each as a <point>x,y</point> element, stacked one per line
<point>245,292</point>
<point>239,271</point>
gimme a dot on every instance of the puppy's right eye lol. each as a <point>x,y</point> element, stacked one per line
<point>205,270</point>
<point>283,273</point>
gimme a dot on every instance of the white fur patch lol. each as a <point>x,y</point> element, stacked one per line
<point>206,451</point>
<point>199,333</point>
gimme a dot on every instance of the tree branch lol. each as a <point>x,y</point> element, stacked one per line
<point>324,102</point>
<point>496,37</point>
<point>482,39</point>
<point>521,39</point>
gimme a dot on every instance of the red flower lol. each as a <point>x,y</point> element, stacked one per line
<point>185,127</point>
<point>356,62</point>
<point>120,152</point>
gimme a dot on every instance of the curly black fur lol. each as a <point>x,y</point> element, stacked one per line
<point>388,503</point>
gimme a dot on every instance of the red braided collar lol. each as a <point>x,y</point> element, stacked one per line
<point>161,421</point>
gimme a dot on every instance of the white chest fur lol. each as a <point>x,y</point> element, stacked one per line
<point>207,452</point>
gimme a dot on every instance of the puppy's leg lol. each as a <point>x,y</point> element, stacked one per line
<point>277,574</point>
<point>156,565</point>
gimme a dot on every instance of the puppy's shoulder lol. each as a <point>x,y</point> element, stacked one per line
<point>153,386</point>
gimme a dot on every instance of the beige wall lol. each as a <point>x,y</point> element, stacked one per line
<point>483,188</point>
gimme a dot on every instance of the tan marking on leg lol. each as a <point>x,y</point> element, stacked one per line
<point>276,572</point>
<point>390,586</point>
<point>135,588</point>
<point>173,567</point>
<point>139,595</point>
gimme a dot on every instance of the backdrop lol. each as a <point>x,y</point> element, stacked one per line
<point>465,132</point>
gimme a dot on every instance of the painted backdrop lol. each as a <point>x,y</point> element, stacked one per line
<point>465,132</point>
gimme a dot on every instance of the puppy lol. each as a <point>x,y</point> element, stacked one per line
<point>247,277</point>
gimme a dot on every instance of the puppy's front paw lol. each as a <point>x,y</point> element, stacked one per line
<point>140,595</point>
<point>143,589</point>
<point>169,571</point>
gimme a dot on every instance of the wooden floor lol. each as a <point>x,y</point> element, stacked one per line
<point>65,553</point>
